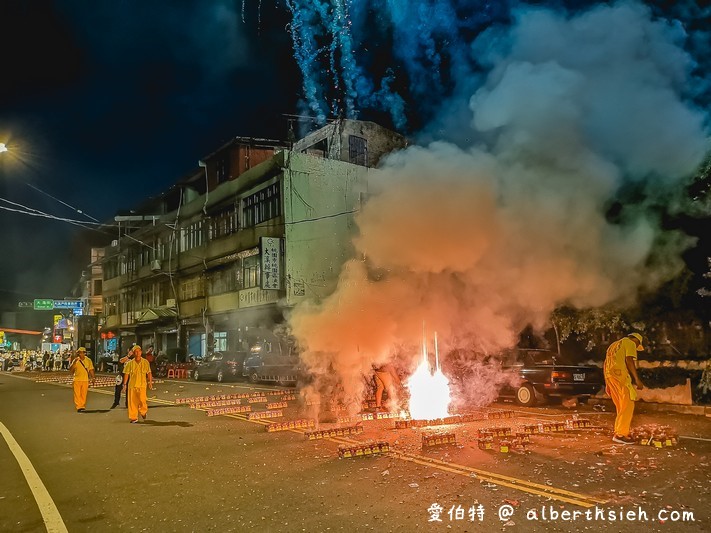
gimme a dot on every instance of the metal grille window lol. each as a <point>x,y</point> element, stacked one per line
<point>191,236</point>
<point>262,205</point>
<point>224,223</point>
<point>191,289</point>
<point>227,280</point>
<point>145,297</point>
<point>111,268</point>
<point>358,150</point>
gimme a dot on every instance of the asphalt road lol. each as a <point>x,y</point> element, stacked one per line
<point>181,470</point>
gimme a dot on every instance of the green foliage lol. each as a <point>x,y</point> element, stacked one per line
<point>586,324</point>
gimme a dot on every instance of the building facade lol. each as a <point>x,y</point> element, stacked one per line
<point>213,263</point>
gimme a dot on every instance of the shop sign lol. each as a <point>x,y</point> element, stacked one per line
<point>271,263</point>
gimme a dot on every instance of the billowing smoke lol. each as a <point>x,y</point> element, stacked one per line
<point>479,241</point>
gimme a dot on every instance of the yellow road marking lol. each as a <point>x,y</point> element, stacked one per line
<point>50,514</point>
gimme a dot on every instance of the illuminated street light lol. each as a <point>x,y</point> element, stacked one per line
<point>3,148</point>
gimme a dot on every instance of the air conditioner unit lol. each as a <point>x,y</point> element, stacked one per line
<point>155,265</point>
<point>170,302</point>
<point>114,243</point>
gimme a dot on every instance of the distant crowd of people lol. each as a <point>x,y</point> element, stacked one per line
<point>35,360</point>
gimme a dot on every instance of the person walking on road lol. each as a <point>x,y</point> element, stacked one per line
<point>620,372</point>
<point>83,370</point>
<point>137,374</point>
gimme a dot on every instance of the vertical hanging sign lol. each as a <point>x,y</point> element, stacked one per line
<point>271,263</point>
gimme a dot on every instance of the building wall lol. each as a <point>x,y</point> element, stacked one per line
<point>321,197</point>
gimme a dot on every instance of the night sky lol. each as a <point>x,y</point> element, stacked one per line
<point>105,103</point>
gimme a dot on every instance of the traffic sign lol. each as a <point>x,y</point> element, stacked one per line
<point>43,305</point>
<point>67,304</point>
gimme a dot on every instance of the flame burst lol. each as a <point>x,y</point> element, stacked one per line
<point>429,392</point>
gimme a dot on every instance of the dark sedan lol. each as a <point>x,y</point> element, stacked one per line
<point>542,374</point>
<point>220,366</point>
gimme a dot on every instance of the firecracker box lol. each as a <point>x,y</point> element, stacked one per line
<point>363,450</point>
<point>347,419</point>
<point>402,424</point>
<point>229,410</point>
<point>518,444</point>
<point>484,433</point>
<point>501,431</point>
<point>336,432</point>
<point>504,446</point>
<point>530,430</point>
<point>438,439</point>
<point>367,416</point>
<point>385,416</point>
<point>277,405</point>
<point>486,443</point>
<point>302,423</point>
<point>257,399</point>
<point>523,437</point>
<point>259,415</point>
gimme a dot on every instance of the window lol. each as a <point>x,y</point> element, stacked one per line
<point>191,289</point>
<point>145,255</point>
<point>222,169</point>
<point>145,297</point>
<point>111,268</point>
<point>220,341</point>
<point>226,280</point>
<point>111,305</point>
<point>262,205</point>
<point>252,271</point>
<point>191,236</point>
<point>358,150</point>
<point>98,286</point>
<point>223,223</point>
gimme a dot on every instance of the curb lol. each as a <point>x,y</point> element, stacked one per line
<point>649,407</point>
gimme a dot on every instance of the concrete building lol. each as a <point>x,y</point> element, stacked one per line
<point>219,256</point>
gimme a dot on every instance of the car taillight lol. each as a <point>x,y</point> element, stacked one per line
<point>557,375</point>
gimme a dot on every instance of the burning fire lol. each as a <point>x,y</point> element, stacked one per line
<point>429,392</point>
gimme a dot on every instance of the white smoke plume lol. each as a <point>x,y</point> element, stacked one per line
<point>480,241</point>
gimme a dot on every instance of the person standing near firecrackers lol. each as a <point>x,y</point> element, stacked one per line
<point>620,373</point>
<point>137,374</point>
<point>83,370</point>
<point>386,379</point>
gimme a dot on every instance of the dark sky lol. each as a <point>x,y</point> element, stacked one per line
<point>103,103</point>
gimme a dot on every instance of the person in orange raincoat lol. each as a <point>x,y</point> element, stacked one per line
<point>137,374</point>
<point>83,369</point>
<point>620,371</point>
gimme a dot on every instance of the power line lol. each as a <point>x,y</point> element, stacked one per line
<point>37,213</point>
<point>62,202</point>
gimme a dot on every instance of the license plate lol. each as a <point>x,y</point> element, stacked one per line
<point>578,377</point>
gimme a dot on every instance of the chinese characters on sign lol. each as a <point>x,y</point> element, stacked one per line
<point>271,263</point>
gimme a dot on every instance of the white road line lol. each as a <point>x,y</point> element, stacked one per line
<point>50,514</point>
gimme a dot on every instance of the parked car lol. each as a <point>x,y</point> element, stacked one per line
<point>220,366</point>
<point>282,369</point>
<point>543,374</point>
